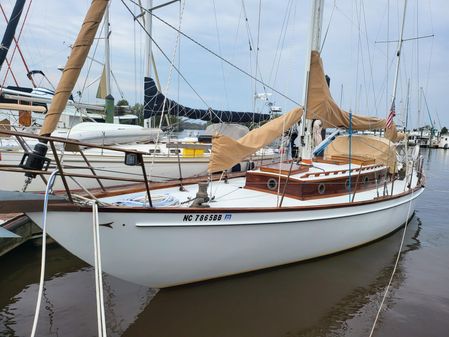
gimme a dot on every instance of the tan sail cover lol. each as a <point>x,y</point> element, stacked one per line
<point>226,152</point>
<point>380,149</point>
<point>74,64</point>
<point>320,105</point>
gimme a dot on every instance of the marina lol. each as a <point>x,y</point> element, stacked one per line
<point>292,209</point>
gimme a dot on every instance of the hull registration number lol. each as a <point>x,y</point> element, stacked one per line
<point>207,217</point>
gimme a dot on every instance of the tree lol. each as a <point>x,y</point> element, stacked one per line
<point>137,109</point>
<point>122,102</point>
<point>444,130</point>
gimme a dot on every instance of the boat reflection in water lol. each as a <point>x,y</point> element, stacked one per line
<point>313,298</point>
<point>68,304</point>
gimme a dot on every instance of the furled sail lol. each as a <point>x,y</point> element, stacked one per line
<point>74,64</point>
<point>226,152</point>
<point>10,30</point>
<point>154,106</point>
<point>320,105</point>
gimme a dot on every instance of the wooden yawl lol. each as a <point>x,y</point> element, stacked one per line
<point>162,236</point>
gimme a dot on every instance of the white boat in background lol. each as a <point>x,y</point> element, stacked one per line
<point>107,133</point>
<point>443,142</point>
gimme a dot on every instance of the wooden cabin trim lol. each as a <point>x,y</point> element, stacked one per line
<point>309,189</point>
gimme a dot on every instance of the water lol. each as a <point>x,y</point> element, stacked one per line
<point>333,296</point>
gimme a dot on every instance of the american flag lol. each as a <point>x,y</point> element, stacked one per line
<point>391,115</point>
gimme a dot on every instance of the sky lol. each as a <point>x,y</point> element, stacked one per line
<point>360,64</point>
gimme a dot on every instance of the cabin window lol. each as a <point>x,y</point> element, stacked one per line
<point>321,188</point>
<point>272,184</point>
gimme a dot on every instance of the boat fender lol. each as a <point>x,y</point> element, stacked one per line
<point>201,197</point>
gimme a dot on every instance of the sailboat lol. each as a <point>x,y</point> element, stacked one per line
<point>162,236</point>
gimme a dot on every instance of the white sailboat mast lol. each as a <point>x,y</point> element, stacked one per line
<point>107,60</point>
<point>305,131</point>
<point>148,46</point>
<point>398,55</point>
<point>148,21</point>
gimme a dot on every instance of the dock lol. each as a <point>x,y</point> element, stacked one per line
<point>19,224</point>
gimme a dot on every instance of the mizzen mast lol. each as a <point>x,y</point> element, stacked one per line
<point>391,113</point>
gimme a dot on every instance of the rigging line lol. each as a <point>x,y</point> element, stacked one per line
<point>431,48</point>
<point>292,13</point>
<point>178,82</point>
<point>257,55</point>
<point>221,53</point>
<point>220,57</point>
<point>363,58</point>
<point>16,40</point>
<point>248,28</point>
<point>386,63</point>
<point>237,33</point>
<point>166,57</point>
<point>428,67</point>
<point>286,15</point>
<point>328,26</point>
<point>170,73</point>
<point>387,288</point>
<point>417,63</point>
<point>357,94</point>
<point>360,47</point>
<point>370,61</point>
<point>250,41</point>
<point>135,58</point>
<point>170,70</point>
<point>9,62</point>
<point>91,63</point>
<point>409,39</point>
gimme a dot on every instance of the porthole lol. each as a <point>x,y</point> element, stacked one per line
<point>365,180</point>
<point>321,188</point>
<point>272,184</point>
<point>347,184</point>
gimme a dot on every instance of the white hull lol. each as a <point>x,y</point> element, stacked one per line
<point>159,249</point>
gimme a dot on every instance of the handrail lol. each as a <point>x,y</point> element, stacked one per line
<point>363,168</point>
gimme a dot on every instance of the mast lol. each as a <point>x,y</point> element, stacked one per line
<point>107,60</point>
<point>148,46</point>
<point>305,131</point>
<point>398,59</point>
<point>109,99</point>
<point>10,30</point>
